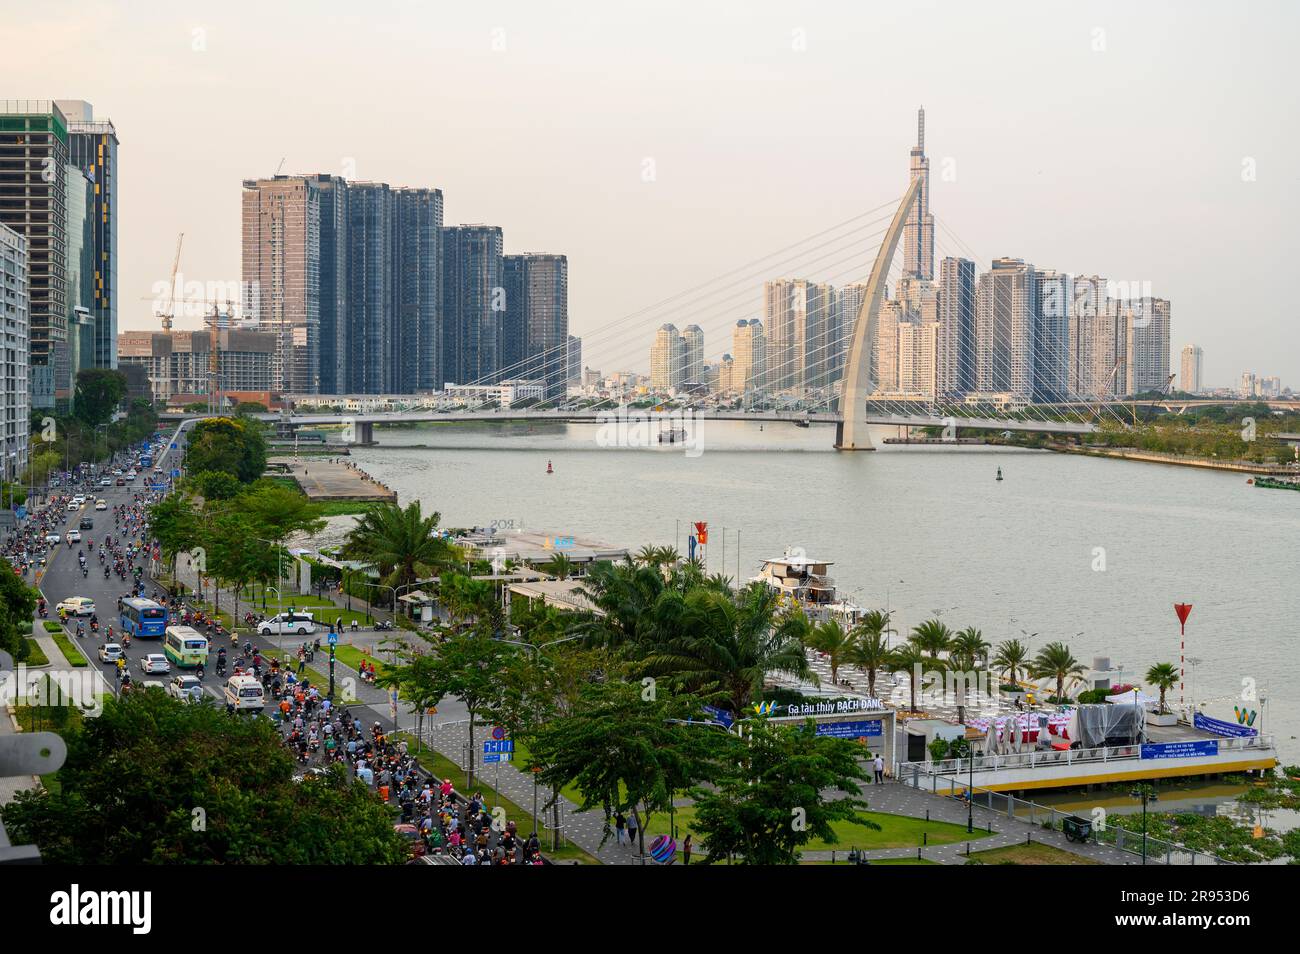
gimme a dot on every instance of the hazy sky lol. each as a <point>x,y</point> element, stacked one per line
<point>1112,139</point>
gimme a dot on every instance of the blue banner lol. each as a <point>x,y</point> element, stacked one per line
<point>1219,727</point>
<point>1181,750</point>
<point>851,730</point>
<point>721,715</point>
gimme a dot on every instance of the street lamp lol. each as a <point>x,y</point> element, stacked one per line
<point>1146,793</point>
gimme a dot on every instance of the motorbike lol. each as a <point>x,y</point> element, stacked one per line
<point>221,669</point>
<point>384,625</point>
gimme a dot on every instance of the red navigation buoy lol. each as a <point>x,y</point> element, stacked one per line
<point>549,468</point>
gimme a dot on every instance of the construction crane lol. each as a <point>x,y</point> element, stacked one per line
<point>212,321</point>
<point>168,312</point>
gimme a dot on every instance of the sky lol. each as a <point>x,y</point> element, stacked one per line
<point>662,145</point>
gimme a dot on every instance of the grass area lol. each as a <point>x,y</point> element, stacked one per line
<point>443,767</point>
<point>351,656</point>
<point>36,656</point>
<point>69,649</point>
<point>51,626</point>
<point>896,831</point>
<point>346,508</point>
<point>1036,853</point>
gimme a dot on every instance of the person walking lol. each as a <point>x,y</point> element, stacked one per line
<point>631,828</point>
<point>686,850</point>
<point>879,766</point>
<point>620,826</point>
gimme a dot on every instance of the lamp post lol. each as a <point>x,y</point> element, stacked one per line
<point>970,790</point>
<point>1146,794</point>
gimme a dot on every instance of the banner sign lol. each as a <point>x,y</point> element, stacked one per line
<point>830,707</point>
<point>1219,727</point>
<point>851,730</point>
<point>721,715</point>
<point>1180,750</point>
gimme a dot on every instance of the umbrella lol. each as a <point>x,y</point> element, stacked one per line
<point>991,740</point>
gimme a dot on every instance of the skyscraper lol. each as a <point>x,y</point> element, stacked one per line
<point>749,357</point>
<point>33,185</point>
<point>372,340</point>
<point>1053,292</point>
<point>693,337</point>
<point>1146,324</point>
<point>797,313</point>
<point>1006,310</point>
<point>955,357</point>
<point>535,323</point>
<point>15,396</point>
<point>473,300</point>
<point>416,345</point>
<point>1190,379</point>
<point>848,303</point>
<point>918,232</point>
<point>82,284</point>
<point>573,362</point>
<point>281,274</point>
<point>92,148</point>
<point>333,280</point>
<point>667,359</point>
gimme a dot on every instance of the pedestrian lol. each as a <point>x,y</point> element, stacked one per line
<point>620,825</point>
<point>631,828</point>
<point>686,850</point>
<point>879,766</point>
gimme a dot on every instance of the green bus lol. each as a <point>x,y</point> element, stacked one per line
<point>185,647</point>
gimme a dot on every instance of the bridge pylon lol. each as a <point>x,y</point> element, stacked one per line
<point>851,433</point>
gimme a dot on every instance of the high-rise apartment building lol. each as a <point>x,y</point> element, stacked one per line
<point>372,274</point>
<point>749,357</point>
<point>332,295</point>
<point>693,337</point>
<point>1054,293</point>
<point>416,345</point>
<point>15,395</point>
<point>798,322</point>
<point>33,184</point>
<point>281,274</point>
<point>92,148</point>
<point>82,274</point>
<point>534,341</point>
<point>667,359</point>
<point>474,301</point>
<point>573,362</point>
<point>918,231</point>
<point>1006,310</point>
<point>848,304</point>
<point>1190,378</point>
<point>955,357</point>
<point>1146,325</point>
<point>885,351</point>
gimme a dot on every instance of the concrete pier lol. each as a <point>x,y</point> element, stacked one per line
<point>324,480</point>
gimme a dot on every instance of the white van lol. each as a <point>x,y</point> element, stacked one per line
<point>245,694</point>
<point>298,623</point>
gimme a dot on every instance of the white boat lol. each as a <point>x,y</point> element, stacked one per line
<point>805,582</point>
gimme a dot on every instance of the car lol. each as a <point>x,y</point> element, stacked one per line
<point>79,499</point>
<point>86,524</point>
<point>185,688</point>
<point>120,482</point>
<point>110,653</point>
<point>74,536</point>
<point>106,481</point>
<point>77,606</point>
<point>73,506</point>
<point>151,684</point>
<point>53,538</point>
<point>117,471</point>
<point>101,504</point>
<point>154,663</point>
<point>131,475</point>
<point>300,624</point>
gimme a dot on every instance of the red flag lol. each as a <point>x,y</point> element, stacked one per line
<point>1183,610</point>
<point>702,533</point>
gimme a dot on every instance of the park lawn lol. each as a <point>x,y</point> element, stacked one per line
<point>896,831</point>
<point>439,765</point>
<point>351,656</point>
<point>69,649</point>
<point>1035,853</point>
<point>51,626</point>
<point>36,656</point>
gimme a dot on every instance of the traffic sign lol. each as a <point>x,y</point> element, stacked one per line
<point>334,639</point>
<point>498,732</point>
<point>173,445</point>
<point>497,746</point>
<point>176,472</point>
<point>497,757</point>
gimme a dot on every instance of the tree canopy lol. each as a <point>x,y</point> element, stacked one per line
<point>233,445</point>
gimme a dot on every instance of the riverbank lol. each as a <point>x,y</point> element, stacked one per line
<point>1156,457</point>
<point>332,481</point>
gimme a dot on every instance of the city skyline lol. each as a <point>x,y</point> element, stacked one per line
<point>1001,179</point>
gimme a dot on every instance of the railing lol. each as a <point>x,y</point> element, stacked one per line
<point>1052,758</point>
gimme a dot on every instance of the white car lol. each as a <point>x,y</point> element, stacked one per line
<point>73,506</point>
<point>185,688</point>
<point>79,499</point>
<point>110,653</point>
<point>77,606</point>
<point>106,481</point>
<point>300,624</point>
<point>74,536</point>
<point>53,538</point>
<point>101,504</point>
<point>154,663</point>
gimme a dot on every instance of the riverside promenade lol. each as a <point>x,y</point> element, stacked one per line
<point>324,480</point>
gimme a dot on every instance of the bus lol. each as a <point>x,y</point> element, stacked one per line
<point>143,619</point>
<point>185,647</point>
<point>146,461</point>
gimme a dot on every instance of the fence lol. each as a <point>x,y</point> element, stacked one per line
<point>1155,850</point>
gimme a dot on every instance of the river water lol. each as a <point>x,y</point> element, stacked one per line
<point>1089,551</point>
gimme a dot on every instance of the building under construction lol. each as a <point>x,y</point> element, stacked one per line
<point>182,362</point>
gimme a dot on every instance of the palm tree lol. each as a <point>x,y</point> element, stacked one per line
<point>835,641</point>
<point>969,648</point>
<point>870,653</point>
<point>1164,676</point>
<point>932,637</point>
<point>909,659</point>
<point>402,543</point>
<point>1055,661</point>
<point>558,566</point>
<point>1012,656</point>
<point>722,644</point>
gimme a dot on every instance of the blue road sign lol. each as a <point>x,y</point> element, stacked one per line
<point>173,445</point>
<point>334,639</point>
<point>497,757</point>
<point>176,472</point>
<point>21,512</point>
<point>497,746</point>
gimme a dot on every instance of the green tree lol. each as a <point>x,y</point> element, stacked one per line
<point>969,649</point>
<point>192,763</point>
<point>558,566</point>
<point>234,445</point>
<point>175,522</point>
<point>772,795</point>
<point>17,604</point>
<point>215,485</point>
<point>1164,676</point>
<point>1012,656</point>
<point>835,641</point>
<point>98,393</point>
<point>910,659</point>
<point>932,637</point>
<point>1055,661</point>
<point>870,652</point>
<point>250,407</point>
<point>402,543</point>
